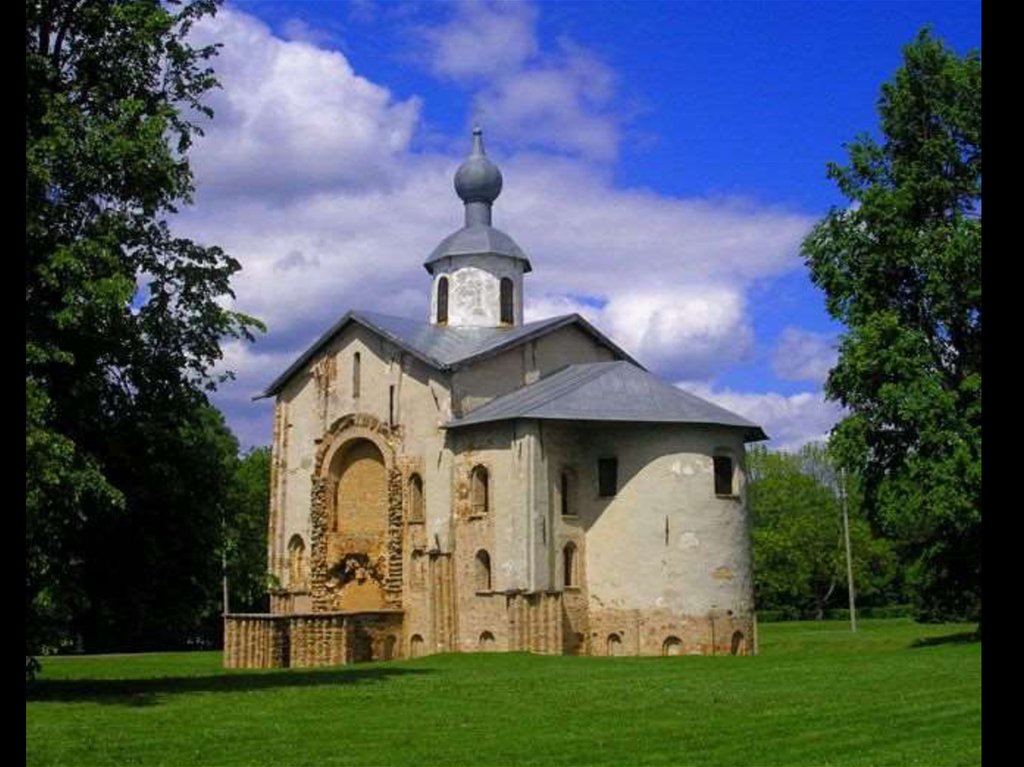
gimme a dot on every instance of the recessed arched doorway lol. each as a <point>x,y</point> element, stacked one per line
<point>357,541</point>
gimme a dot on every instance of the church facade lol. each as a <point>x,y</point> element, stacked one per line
<point>476,483</point>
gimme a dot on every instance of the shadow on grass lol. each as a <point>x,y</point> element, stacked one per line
<point>149,692</point>
<point>964,637</point>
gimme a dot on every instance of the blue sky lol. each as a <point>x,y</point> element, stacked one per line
<point>662,162</point>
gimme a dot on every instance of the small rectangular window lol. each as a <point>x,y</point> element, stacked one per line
<point>356,374</point>
<point>607,477</point>
<point>723,475</point>
<point>564,489</point>
<point>391,405</point>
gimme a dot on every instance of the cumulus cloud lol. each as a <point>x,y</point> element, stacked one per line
<point>482,40</point>
<point>790,422</point>
<point>307,177</point>
<point>292,117</point>
<point>561,99</point>
<point>801,355</point>
<point>695,330</point>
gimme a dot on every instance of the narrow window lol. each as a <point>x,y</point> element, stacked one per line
<point>415,498</point>
<point>479,490</point>
<point>737,646</point>
<point>483,571</point>
<point>442,301</point>
<point>565,486</point>
<point>723,475</point>
<point>356,373</point>
<point>507,309</point>
<point>607,477</point>
<point>391,405</point>
<point>569,577</point>
<point>296,561</point>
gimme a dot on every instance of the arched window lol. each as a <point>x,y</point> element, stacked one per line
<point>486,642</point>
<point>415,498</point>
<point>479,491</point>
<point>482,571</point>
<point>415,646</point>
<point>416,576</point>
<point>507,305</point>
<point>442,301</point>
<point>672,646</point>
<point>357,373</point>
<point>296,561</point>
<point>614,644</point>
<point>570,576</point>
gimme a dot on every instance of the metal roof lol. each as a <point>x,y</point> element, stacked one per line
<point>440,347</point>
<point>606,391</point>
<point>477,239</point>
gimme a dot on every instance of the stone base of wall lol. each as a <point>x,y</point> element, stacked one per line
<point>661,632</point>
<point>309,640</point>
<point>536,622</point>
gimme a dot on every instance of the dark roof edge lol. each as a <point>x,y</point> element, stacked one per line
<point>429,263</point>
<point>554,323</point>
<point>752,433</point>
<point>350,316</point>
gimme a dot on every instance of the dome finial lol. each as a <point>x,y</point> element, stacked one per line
<point>478,182</point>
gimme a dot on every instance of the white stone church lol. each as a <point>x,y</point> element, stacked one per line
<point>473,483</point>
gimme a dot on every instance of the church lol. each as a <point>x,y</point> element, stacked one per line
<point>475,483</point>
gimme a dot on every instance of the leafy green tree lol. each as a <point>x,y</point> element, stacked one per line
<point>124,320</point>
<point>246,539</point>
<point>901,268</point>
<point>152,573</point>
<point>799,557</point>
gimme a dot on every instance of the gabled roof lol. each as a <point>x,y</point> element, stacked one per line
<point>606,391</point>
<point>441,347</point>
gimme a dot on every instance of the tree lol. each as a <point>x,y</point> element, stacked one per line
<point>901,268</point>
<point>123,320</point>
<point>799,558</point>
<point>152,573</point>
<point>246,538</point>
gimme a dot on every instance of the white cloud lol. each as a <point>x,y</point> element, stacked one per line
<point>306,176</point>
<point>560,99</point>
<point>300,30</point>
<point>695,330</point>
<point>482,40</point>
<point>292,117</point>
<point>801,355</point>
<point>790,422</point>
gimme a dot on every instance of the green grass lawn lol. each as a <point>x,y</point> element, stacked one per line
<point>896,693</point>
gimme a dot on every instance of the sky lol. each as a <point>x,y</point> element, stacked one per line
<point>662,162</point>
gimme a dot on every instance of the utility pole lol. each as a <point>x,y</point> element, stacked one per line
<point>849,559</point>
<point>224,571</point>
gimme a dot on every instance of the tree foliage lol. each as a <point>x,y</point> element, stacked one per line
<point>124,320</point>
<point>799,556</point>
<point>246,533</point>
<point>901,268</point>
